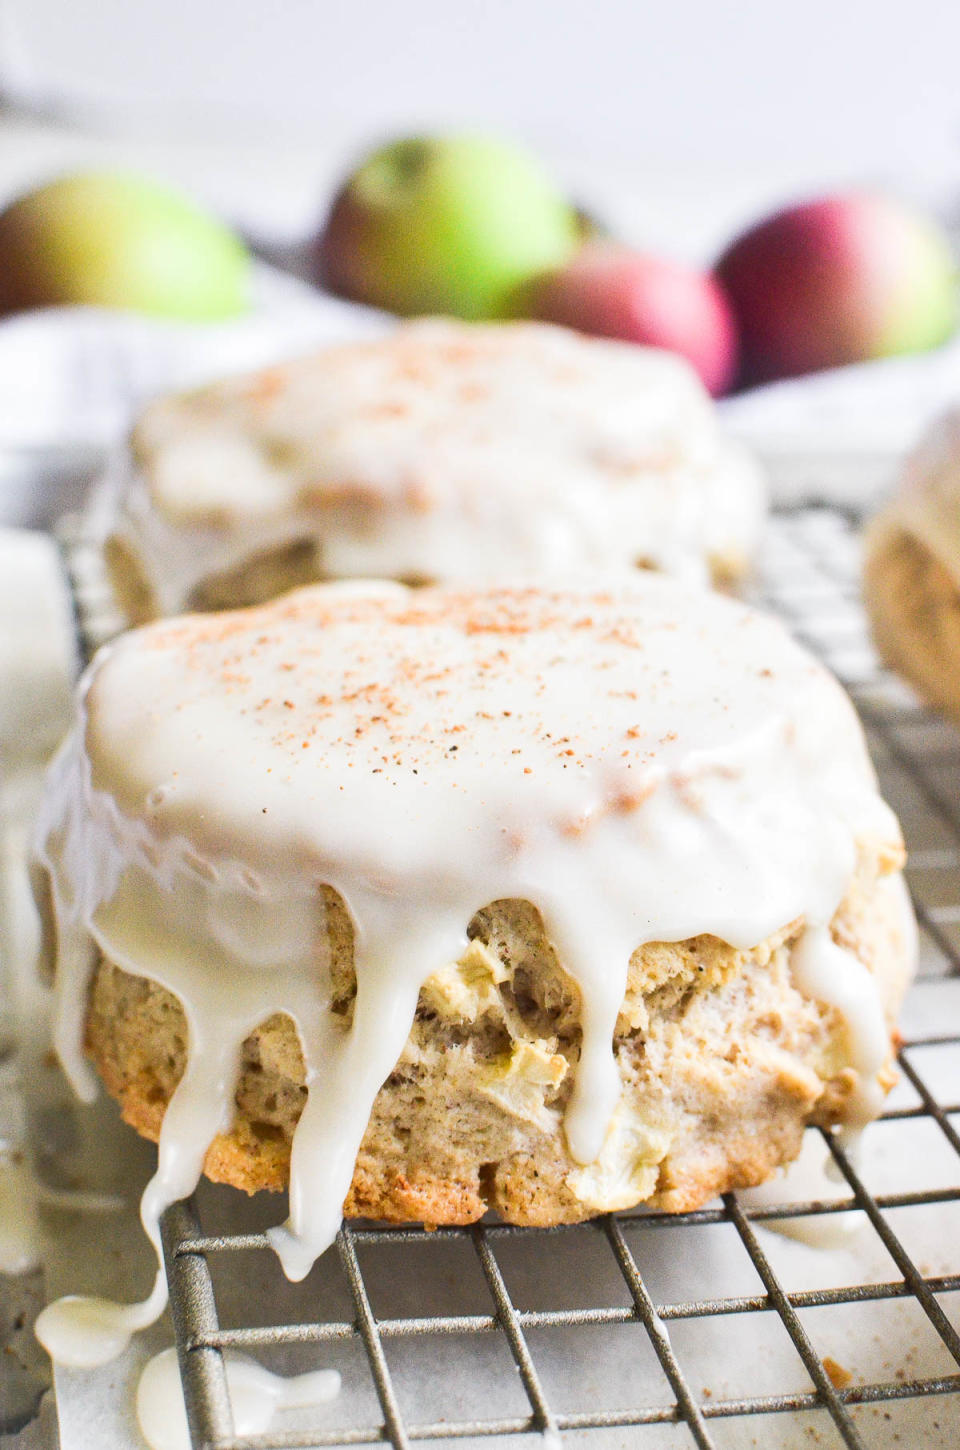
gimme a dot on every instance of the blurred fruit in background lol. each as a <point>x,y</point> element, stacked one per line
<point>590,226</point>
<point>838,280</point>
<point>474,227</point>
<point>610,290</point>
<point>445,224</point>
<point>113,239</point>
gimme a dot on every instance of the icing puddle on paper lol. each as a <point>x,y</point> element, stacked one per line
<point>641,762</point>
<point>256,1396</point>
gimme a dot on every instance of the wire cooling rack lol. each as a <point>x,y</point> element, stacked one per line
<point>655,1330</point>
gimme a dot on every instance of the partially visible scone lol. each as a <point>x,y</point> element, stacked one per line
<point>442,452</point>
<point>551,899</point>
<point>912,570</point>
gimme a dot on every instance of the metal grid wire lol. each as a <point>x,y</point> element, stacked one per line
<point>810,578</point>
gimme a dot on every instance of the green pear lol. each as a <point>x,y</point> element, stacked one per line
<point>448,224</point>
<point>112,239</point>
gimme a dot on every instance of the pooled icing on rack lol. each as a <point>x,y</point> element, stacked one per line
<point>641,762</point>
<point>256,1395</point>
<point>444,452</point>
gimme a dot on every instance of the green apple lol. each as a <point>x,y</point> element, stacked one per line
<point>113,239</point>
<point>451,224</point>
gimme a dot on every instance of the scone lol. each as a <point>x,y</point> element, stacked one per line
<point>442,452</point>
<point>545,900</point>
<point>912,569</point>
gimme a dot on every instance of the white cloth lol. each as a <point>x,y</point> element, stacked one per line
<point>874,408</point>
<point>73,376</point>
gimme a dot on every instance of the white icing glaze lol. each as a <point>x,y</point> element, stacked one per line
<point>826,972</point>
<point>926,503</point>
<point>255,1397</point>
<point>641,762</point>
<point>83,1332</point>
<point>845,985</point>
<point>442,452</point>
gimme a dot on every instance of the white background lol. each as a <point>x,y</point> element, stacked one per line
<point>853,81</point>
<point>679,124</point>
<point>683,100</point>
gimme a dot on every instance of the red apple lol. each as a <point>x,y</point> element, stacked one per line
<point>839,280</point>
<point>610,290</point>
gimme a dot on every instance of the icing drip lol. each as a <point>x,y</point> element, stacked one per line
<point>829,974</point>
<point>640,763</point>
<point>255,1397</point>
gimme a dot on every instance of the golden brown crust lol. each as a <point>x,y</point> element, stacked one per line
<point>914,608</point>
<point>723,1064</point>
<point>130,587</point>
<point>262,576</point>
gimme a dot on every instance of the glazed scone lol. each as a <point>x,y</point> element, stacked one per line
<point>912,569</point>
<point>442,452</point>
<point>547,900</point>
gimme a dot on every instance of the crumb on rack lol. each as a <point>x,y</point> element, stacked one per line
<point>838,1376</point>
